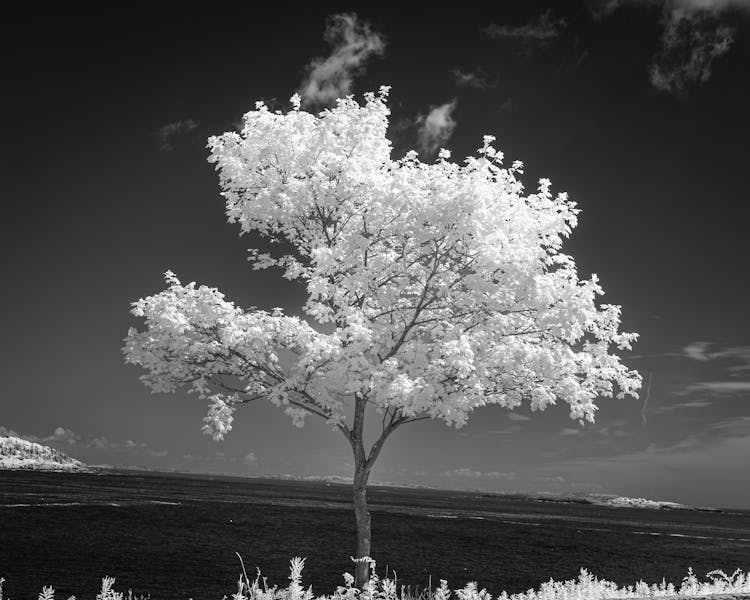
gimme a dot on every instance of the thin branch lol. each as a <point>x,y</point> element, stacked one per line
<point>326,414</point>
<point>419,306</point>
<point>414,419</point>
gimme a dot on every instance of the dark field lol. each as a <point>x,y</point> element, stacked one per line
<point>176,536</point>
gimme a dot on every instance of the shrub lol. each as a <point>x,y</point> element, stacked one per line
<point>586,587</point>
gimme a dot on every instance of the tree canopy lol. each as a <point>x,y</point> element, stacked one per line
<point>443,286</point>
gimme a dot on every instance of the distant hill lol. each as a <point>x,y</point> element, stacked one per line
<point>16,453</point>
<point>620,501</point>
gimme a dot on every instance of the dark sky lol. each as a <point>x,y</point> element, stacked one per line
<point>637,108</point>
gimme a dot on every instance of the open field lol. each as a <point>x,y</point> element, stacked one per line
<point>176,537</point>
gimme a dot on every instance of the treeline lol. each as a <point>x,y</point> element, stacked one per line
<point>22,449</point>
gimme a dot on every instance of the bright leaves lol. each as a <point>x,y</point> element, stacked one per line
<point>445,284</point>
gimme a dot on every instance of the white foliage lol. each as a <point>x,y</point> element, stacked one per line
<point>17,453</point>
<point>586,587</point>
<point>445,284</point>
<point>47,593</point>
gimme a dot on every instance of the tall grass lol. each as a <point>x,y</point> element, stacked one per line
<point>586,587</point>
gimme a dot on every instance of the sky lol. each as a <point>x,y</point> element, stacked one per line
<point>636,108</point>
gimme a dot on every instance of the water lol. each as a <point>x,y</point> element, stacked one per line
<point>176,536</point>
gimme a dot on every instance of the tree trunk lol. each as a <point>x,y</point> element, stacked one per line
<point>363,463</point>
<point>362,467</point>
<point>362,520</point>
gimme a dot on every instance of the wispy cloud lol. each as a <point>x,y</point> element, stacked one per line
<point>676,406</point>
<point>436,127</point>
<point>708,436</point>
<point>169,135</point>
<point>514,416</point>
<point>7,432</point>
<point>735,359</point>
<point>249,459</point>
<point>555,479</point>
<point>474,474</point>
<point>569,431</point>
<point>506,431</point>
<point>538,33</point>
<point>697,351</point>
<point>694,34</point>
<point>507,105</point>
<point>600,9</point>
<point>692,40</point>
<point>720,374</point>
<point>712,5</point>
<point>104,443</point>
<point>352,43</point>
<point>127,446</point>
<point>475,79</point>
<point>60,436</point>
<point>585,486</point>
<point>689,467</point>
<point>719,387</point>
<point>614,428</point>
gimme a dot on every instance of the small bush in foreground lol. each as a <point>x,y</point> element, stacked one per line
<point>586,587</point>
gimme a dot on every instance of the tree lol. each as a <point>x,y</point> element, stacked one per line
<point>443,287</point>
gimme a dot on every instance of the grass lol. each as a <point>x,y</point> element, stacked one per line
<point>586,587</point>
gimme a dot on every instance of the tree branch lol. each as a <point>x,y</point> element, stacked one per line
<point>419,306</point>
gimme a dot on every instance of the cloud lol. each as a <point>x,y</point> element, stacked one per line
<point>585,486</point>
<point>475,79</point>
<point>168,134</point>
<point>514,416</point>
<point>719,387</point>
<point>696,351</point>
<point>601,9</point>
<point>706,467</point>
<point>128,446</point>
<point>733,361</point>
<point>613,428</point>
<point>691,42</point>
<point>352,43</point>
<point>436,127</point>
<point>537,33</point>
<point>105,443</point>
<point>559,479</point>
<point>741,353</point>
<point>61,435</point>
<point>569,431</point>
<point>221,457</point>
<point>508,431</point>
<point>472,474</point>
<point>694,34</point>
<point>670,408</point>
<point>710,5</point>
<point>5,432</point>
<point>737,427</point>
<point>706,352</point>
<point>709,437</point>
